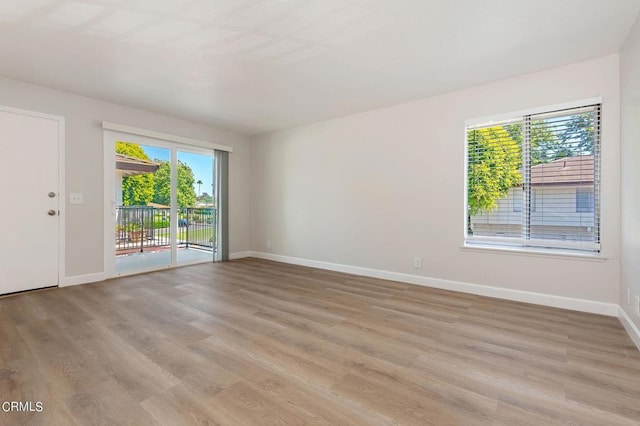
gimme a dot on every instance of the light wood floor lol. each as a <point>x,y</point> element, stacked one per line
<point>256,342</point>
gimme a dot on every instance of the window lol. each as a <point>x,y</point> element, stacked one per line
<point>534,180</point>
<point>584,200</point>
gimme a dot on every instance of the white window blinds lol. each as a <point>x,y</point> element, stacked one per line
<point>534,181</point>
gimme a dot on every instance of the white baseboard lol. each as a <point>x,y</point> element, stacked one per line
<point>239,255</point>
<point>583,305</point>
<point>630,326</point>
<point>83,279</point>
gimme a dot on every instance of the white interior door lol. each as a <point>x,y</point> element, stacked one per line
<point>29,175</point>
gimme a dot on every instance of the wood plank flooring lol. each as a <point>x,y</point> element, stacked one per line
<point>256,342</point>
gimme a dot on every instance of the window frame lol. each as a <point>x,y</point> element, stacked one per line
<point>534,200</point>
<point>517,208</point>
<point>534,246</point>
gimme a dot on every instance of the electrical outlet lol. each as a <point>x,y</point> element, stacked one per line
<point>638,306</point>
<point>417,262</point>
<point>628,296</point>
<point>268,244</point>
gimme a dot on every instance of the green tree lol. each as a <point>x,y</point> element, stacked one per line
<point>494,167</point>
<point>136,190</point>
<point>186,191</point>
<point>205,198</point>
<point>553,139</point>
<point>544,146</point>
<point>579,134</point>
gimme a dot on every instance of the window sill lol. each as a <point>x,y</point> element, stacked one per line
<point>548,253</point>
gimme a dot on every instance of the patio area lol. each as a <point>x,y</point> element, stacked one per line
<point>143,237</point>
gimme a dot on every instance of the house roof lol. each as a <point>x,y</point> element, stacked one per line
<point>158,206</point>
<point>567,170</point>
<point>131,166</point>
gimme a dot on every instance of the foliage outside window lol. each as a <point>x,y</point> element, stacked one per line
<point>534,181</point>
<point>136,190</point>
<point>155,187</point>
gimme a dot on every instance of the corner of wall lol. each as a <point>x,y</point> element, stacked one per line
<point>632,330</point>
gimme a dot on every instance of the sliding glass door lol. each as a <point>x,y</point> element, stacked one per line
<point>164,209</point>
<point>142,207</point>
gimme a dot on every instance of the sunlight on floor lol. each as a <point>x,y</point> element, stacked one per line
<point>136,262</point>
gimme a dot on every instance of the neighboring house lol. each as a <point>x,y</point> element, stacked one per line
<point>562,204</point>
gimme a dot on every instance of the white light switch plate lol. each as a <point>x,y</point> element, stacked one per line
<point>76,199</point>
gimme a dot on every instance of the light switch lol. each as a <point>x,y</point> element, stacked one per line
<point>76,199</point>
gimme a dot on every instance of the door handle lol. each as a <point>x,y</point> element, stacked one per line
<point>52,194</point>
<point>51,212</point>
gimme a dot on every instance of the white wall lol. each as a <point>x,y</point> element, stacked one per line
<point>84,164</point>
<point>376,189</point>
<point>630,142</point>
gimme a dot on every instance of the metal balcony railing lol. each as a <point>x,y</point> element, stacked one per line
<point>197,227</point>
<point>143,228</point>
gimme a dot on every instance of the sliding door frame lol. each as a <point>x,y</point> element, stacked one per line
<point>115,132</point>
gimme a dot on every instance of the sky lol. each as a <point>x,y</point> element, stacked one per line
<point>202,165</point>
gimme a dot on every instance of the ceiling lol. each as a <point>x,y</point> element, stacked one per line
<point>261,65</point>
